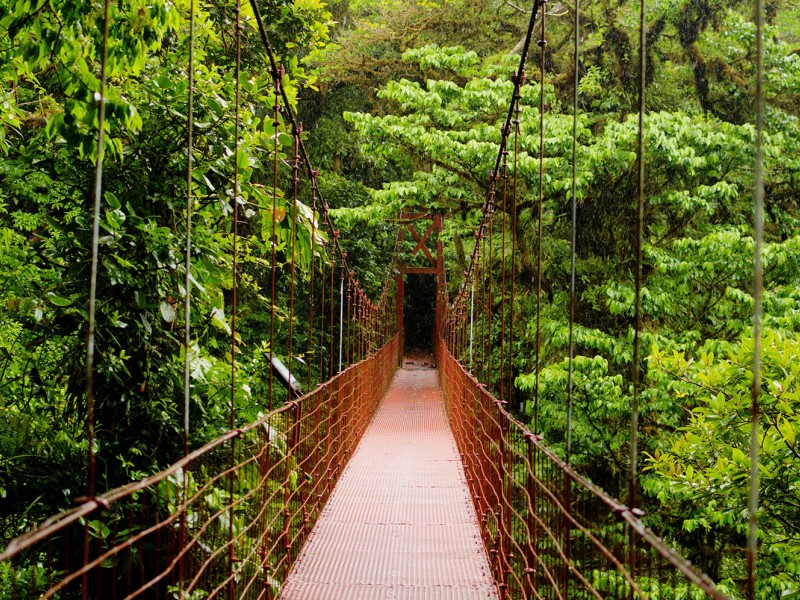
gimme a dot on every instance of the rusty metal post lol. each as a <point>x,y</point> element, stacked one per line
<point>503,497</point>
<point>264,467</point>
<point>291,450</point>
<point>338,427</point>
<point>400,297</point>
<point>567,528</point>
<point>330,424</point>
<point>530,558</point>
<point>440,282</point>
<point>532,524</point>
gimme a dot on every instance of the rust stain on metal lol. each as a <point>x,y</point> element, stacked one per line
<point>400,522</point>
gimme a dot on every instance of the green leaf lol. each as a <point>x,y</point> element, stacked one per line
<point>115,218</point>
<point>218,320</point>
<point>243,160</point>
<point>112,200</point>
<point>164,82</point>
<point>167,312</point>
<point>58,300</point>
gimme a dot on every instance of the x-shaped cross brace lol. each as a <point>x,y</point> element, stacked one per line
<point>421,241</point>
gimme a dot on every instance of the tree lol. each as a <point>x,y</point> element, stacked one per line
<point>703,486</point>
<point>49,69</point>
<point>443,136</point>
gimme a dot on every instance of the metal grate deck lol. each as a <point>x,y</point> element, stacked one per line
<point>400,523</point>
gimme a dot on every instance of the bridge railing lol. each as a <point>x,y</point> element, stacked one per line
<point>550,533</point>
<point>226,521</point>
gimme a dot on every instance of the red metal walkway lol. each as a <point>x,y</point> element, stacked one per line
<point>400,523</point>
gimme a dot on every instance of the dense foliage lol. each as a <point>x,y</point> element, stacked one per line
<point>49,69</point>
<point>433,133</point>
<point>406,116</point>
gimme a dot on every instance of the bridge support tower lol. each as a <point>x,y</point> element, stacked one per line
<point>431,265</point>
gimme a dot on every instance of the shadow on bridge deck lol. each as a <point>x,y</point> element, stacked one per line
<point>400,523</point>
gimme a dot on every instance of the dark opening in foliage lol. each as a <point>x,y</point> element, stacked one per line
<point>419,311</point>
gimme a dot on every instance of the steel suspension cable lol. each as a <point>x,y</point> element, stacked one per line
<point>364,324</point>
<point>328,326</point>
<point>465,320</point>
<point>479,276</point>
<point>366,310</point>
<point>573,245</point>
<point>271,56</point>
<point>483,262</point>
<point>361,315</point>
<point>187,282</point>
<point>293,242</point>
<point>374,336</point>
<point>322,314</point>
<point>235,210</point>
<point>758,285</point>
<point>475,273</point>
<point>481,258</point>
<point>457,316</point>
<point>518,78</point>
<point>331,332</point>
<point>358,311</point>
<point>368,326</point>
<point>350,317</point>
<point>98,200</point>
<point>632,484</point>
<point>356,339</point>
<point>471,325</point>
<point>362,333</point>
<point>373,327</point>
<point>517,123</point>
<point>304,154</point>
<point>277,75</point>
<point>503,277</point>
<point>234,285</point>
<point>341,317</point>
<point>543,46</point>
<point>311,295</point>
<point>364,320</point>
<point>572,267</point>
<point>90,342</point>
<point>490,272</point>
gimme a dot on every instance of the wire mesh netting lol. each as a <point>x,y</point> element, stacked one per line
<point>226,521</point>
<point>551,533</point>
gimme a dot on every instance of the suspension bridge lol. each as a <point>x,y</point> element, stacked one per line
<point>377,476</point>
